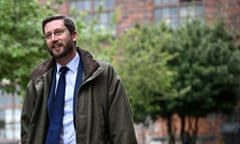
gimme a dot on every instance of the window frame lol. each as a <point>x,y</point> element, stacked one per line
<point>174,20</point>
<point>107,12</point>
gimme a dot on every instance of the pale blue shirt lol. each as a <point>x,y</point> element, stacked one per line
<point>68,134</point>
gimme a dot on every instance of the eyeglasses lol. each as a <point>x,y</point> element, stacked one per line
<point>57,32</point>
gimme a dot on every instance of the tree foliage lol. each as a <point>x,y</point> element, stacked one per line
<point>191,71</point>
<point>142,65</point>
<point>21,44</point>
<point>207,62</point>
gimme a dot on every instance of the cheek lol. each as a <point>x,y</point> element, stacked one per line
<point>48,43</point>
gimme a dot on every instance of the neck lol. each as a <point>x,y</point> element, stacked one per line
<point>65,60</point>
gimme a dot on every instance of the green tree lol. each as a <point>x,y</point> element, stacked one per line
<point>192,71</point>
<point>21,44</point>
<point>142,65</point>
<point>208,64</point>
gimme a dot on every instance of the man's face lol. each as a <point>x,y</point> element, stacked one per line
<point>59,41</point>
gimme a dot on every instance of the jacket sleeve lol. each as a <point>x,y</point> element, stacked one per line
<point>120,119</point>
<point>27,110</point>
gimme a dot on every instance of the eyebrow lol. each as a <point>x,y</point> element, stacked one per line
<point>55,30</point>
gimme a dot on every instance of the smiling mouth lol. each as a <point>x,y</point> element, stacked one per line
<point>56,46</point>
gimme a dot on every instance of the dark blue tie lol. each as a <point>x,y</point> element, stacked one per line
<point>56,117</point>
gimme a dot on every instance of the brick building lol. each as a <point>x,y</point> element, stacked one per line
<point>174,12</point>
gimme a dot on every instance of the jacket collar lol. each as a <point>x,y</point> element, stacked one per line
<point>89,65</point>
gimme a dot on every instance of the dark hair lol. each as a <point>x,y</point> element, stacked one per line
<point>68,22</point>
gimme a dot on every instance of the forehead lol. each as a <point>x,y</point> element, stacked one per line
<point>54,24</point>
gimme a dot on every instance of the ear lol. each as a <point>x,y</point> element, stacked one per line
<point>74,36</point>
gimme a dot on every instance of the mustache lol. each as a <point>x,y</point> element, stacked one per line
<point>57,45</point>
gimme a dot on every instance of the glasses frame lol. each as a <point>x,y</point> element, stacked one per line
<point>57,32</point>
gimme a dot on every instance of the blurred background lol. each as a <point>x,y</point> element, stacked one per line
<point>179,61</point>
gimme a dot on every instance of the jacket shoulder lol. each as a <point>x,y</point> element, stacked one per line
<point>106,66</point>
<point>104,63</point>
<point>42,68</point>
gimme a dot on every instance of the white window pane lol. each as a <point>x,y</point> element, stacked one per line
<point>86,5</point>
<point>156,2</point>
<point>183,12</point>
<point>110,4</point>
<point>200,10</point>
<point>157,14</point>
<point>191,11</point>
<point>174,1</point>
<point>174,23</point>
<point>173,12</point>
<point>165,13</point>
<point>81,5</point>
<point>104,18</point>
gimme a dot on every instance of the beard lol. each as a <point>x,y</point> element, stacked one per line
<point>68,48</point>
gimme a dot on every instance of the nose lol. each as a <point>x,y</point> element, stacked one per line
<point>53,37</point>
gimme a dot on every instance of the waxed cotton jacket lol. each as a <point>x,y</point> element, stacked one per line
<point>103,114</point>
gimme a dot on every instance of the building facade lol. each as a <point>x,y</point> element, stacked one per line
<point>127,13</point>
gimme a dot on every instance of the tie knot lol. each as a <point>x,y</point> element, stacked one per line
<point>64,70</point>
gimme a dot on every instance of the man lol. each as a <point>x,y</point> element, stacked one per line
<point>94,108</point>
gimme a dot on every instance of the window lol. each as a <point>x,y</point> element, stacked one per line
<point>83,5</point>
<point>190,12</point>
<point>173,12</point>
<point>91,7</point>
<point>189,0</point>
<point>107,4</point>
<point>156,2</point>
<point>167,15</point>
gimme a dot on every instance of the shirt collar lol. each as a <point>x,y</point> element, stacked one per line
<point>72,65</point>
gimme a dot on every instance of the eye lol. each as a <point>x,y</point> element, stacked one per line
<point>58,32</point>
<point>48,35</point>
